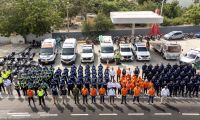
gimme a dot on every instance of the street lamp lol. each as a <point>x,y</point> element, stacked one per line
<point>68,16</point>
<point>162,7</point>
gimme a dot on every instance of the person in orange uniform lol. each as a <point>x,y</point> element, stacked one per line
<point>84,92</point>
<point>151,94</point>
<point>145,86</point>
<point>150,84</point>
<point>30,96</point>
<point>136,94</point>
<point>93,93</point>
<point>119,72</point>
<point>102,92</point>
<point>124,92</point>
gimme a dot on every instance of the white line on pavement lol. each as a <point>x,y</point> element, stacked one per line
<point>18,113</point>
<point>104,114</point>
<point>135,113</point>
<point>45,115</point>
<point>79,114</point>
<point>193,114</point>
<point>22,115</point>
<point>162,113</point>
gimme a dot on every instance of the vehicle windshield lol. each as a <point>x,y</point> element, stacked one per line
<point>68,51</point>
<point>142,49</point>
<point>125,49</point>
<point>174,49</point>
<point>87,50</point>
<point>191,55</point>
<point>107,50</point>
<point>46,51</point>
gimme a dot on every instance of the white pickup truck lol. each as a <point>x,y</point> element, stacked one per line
<point>168,50</point>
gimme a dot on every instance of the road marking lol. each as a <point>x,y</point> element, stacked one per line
<point>79,114</point>
<point>162,113</point>
<point>107,114</point>
<point>45,115</point>
<point>24,113</point>
<point>135,113</point>
<point>193,114</point>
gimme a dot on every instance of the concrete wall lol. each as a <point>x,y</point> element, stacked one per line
<point>14,39</point>
<point>31,37</point>
<point>143,31</point>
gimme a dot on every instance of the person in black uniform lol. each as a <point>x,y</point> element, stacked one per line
<point>144,68</point>
<point>182,88</point>
<point>189,88</point>
<point>170,87</point>
<point>196,88</point>
<point>63,93</point>
<point>176,88</point>
<point>157,87</point>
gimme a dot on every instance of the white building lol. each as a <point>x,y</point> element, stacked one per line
<point>185,3</point>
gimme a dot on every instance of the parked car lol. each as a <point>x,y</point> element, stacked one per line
<point>87,54</point>
<point>126,52</point>
<point>69,51</point>
<point>48,51</point>
<point>192,56</point>
<point>197,35</point>
<point>141,52</point>
<point>174,35</point>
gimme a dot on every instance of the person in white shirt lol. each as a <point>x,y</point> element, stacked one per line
<point>109,85</point>
<point>111,94</point>
<point>129,71</point>
<point>114,86</point>
<point>118,86</point>
<point>8,86</point>
<point>112,74</point>
<point>164,94</point>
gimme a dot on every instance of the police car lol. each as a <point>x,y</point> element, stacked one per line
<point>87,54</point>
<point>141,52</point>
<point>126,52</point>
<point>192,56</point>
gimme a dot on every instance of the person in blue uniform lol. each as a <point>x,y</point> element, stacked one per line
<point>196,88</point>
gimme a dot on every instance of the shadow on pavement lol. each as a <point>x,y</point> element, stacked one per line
<point>81,107</point>
<point>107,106</point>
<point>34,109</point>
<point>130,108</point>
<point>118,108</point>
<point>99,106</point>
<point>60,108</point>
<point>172,107</point>
<point>159,108</point>
<point>90,108</point>
<point>143,107</point>
<point>70,108</point>
<point>21,99</point>
<point>45,108</point>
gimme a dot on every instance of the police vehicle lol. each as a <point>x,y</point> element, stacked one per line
<point>106,49</point>
<point>69,51</point>
<point>192,56</point>
<point>141,52</point>
<point>48,51</point>
<point>87,54</point>
<point>126,52</point>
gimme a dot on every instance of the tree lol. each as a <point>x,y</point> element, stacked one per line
<point>103,23</point>
<point>24,17</point>
<point>192,14</point>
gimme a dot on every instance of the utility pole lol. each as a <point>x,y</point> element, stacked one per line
<point>162,7</point>
<point>67,16</point>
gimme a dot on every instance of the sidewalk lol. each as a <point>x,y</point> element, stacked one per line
<point>7,49</point>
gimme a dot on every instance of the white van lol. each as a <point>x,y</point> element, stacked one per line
<point>69,51</point>
<point>126,52</point>
<point>48,51</point>
<point>106,49</point>
<point>87,54</point>
<point>141,52</point>
<point>192,56</point>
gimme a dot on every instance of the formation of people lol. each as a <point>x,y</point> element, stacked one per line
<point>150,81</point>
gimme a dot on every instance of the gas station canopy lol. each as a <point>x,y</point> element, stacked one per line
<point>135,17</point>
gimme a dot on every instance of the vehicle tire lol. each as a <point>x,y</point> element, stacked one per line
<point>163,56</point>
